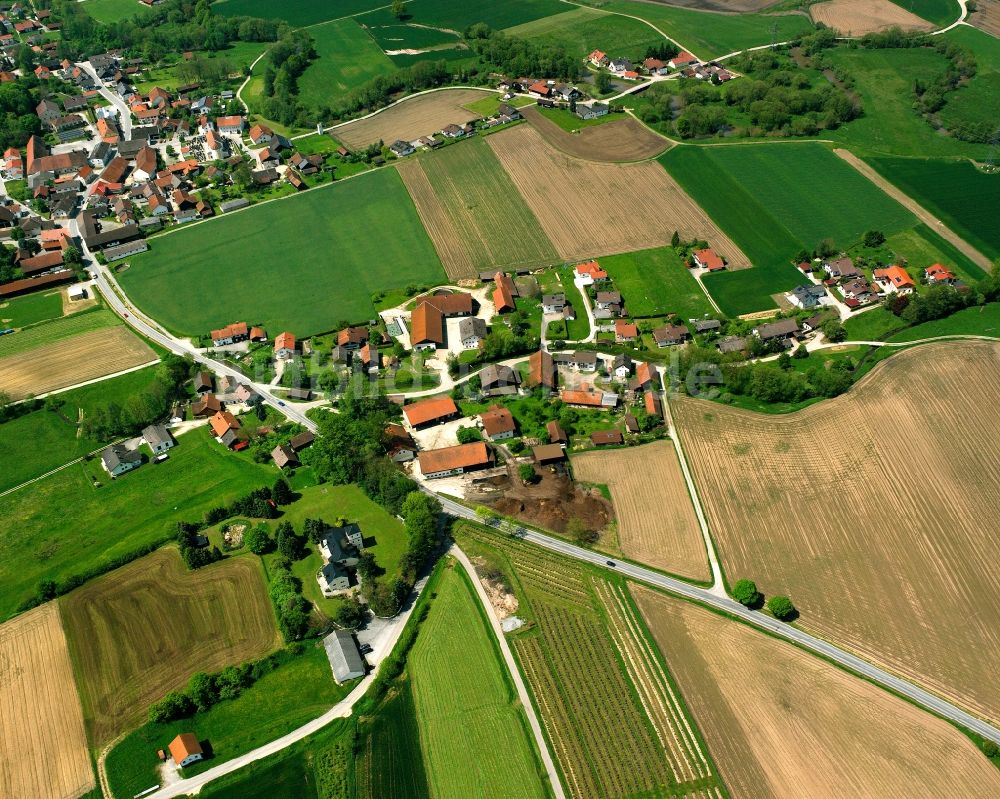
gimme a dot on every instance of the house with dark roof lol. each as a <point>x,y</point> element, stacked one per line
<point>499,380</point>
<point>158,438</point>
<point>471,332</point>
<point>283,455</point>
<point>118,459</point>
<point>773,331</point>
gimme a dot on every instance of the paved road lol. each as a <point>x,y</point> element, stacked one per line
<point>124,115</point>
<point>815,645</point>
<point>515,675</point>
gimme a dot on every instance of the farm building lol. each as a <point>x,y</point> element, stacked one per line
<point>556,434</point>
<point>605,438</point>
<point>589,398</point>
<point>541,370</point>
<point>807,297</point>
<point>669,335</point>
<point>547,454</point>
<point>456,460</point>
<point>498,380</point>
<point>283,455</point>
<point>504,293</point>
<point>344,657</point>
<point>206,405</point>
<point>451,304</point>
<point>430,412</point>
<point>302,440</point>
<point>400,446</point>
<point>185,749</point>
<point>426,327</point>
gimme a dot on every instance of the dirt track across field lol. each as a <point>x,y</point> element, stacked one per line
<point>858,17</point>
<point>590,209</point>
<point>782,724</point>
<point>875,512</point>
<point>922,213</point>
<point>624,139</point>
<point>421,115</point>
<point>83,357</point>
<point>656,521</point>
<point>43,748</point>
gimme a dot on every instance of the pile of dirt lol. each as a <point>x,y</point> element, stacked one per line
<point>552,502</point>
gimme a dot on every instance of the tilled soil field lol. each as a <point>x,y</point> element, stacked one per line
<point>656,521</point>
<point>783,724</point>
<point>875,512</point>
<point>625,139</point>
<point>987,17</point>
<point>43,749</point>
<point>858,17</point>
<point>83,357</point>
<point>422,115</point>
<point>570,196</point>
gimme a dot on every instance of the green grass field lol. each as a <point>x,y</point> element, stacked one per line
<point>773,200</point>
<point>296,14</point>
<point>570,122</point>
<point>390,33</point>
<point>872,325</point>
<point>111,11</point>
<point>302,264</point>
<point>318,767</point>
<point>921,247</point>
<point>457,15</point>
<point>62,526</point>
<point>656,282</point>
<point>296,692</point>
<point>56,330</point>
<point>964,198</point>
<point>583,30</point>
<point>347,58</point>
<point>53,434</point>
<point>31,309</point>
<point>982,320</point>
<point>707,34</point>
<point>389,760</point>
<point>466,707</point>
<point>940,12</point>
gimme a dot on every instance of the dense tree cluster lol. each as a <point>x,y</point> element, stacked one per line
<point>936,302</point>
<point>112,419</point>
<point>195,556</point>
<point>290,607</point>
<point>521,57</point>
<point>284,65</point>
<point>257,505</point>
<point>18,121</point>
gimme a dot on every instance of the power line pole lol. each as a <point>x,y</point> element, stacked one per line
<point>774,35</point>
<point>994,146</point>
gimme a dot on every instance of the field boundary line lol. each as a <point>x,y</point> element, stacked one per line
<point>915,208</point>
<point>515,674</point>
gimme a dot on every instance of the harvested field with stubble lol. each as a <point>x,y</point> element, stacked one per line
<point>987,17</point>
<point>625,139</point>
<point>783,724</point>
<point>656,521</point>
<point>560,189</point>
<point>83,357</point>
<point>43,748</point>
<point>873,512</point>
<point>858,17</point>
<point>421,115</point>
<point>144,629</point>
<point>469,207</point>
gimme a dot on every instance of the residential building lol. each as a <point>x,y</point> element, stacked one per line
<point>731,344</point>
<point>203,382</point>
<point>605,300</point>
<point>895,279</point>
<point>224,427</point>
<point>498,380</point>
<point>429,412</point>
<point>352,337</point>
<point>708,259</point>
<point>158,438</point>
<point>185,750</point>
<point>401,148</point>
<point>807,296</point>
<point>118,459</point>
<point>504,293</point>
<point>782,329</point>
<point>598,58</point>
<point>625,332</point>
<point>284,346</point>
<point>619,65</point>
<point>230,334</point>
<point>283,455</point>
<point>580,361</point>
<point>593,110</point>
<point>939,275</point>
<point>471,331</point>
<point>451,461</point>
<point>400,446</point>
<point>333,579</point>
<point>541,370</point>
<point>498,423</point>
<point>345,659</point>
<point>670,335</point>
<point>646,376</point>
<point>706,325</point>
<point>589,273</point>
<point>858,292</point>
<point>681,60</point>
<point>842,269</point>
<point>206,405</point>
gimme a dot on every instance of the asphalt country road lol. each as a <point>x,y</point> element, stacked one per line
<point>908,690</point>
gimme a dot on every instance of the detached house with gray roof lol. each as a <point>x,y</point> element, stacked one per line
<point>118,459</point>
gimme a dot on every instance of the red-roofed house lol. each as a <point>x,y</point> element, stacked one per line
<point>230,334</point>
<point>284,346</point>
<point>682,59</point>
<point>625,331</point>
<point>708,259</point>
<point>895,278</point>
<point>598,59</point>
<point>590,272</point>
<point>938,275</point>
<point>540,89</point>
<point>503,294</point>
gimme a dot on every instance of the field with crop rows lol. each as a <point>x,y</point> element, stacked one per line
<point>944,189</point>
<point>858,17</point>
<point>656,520</point>
<point>301,12</point>
<point>765,197</point>
<point>784,724</point>
<point>556,187</point>
<point>389,761</point>
<point>43,749</point>
<point>614,139</point>
<point>616,724</point>
<point>465,706</point>
<point>144,629</point>
<point>84,357</point>
<point>346,57</point>
<point>469,206</point>
<point>301,264</point>
<point>889,540</point>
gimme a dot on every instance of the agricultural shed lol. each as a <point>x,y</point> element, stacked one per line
<point>345,660</point>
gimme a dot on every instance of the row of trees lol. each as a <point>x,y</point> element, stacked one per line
<point>745,592</point>
<point>509,55</point>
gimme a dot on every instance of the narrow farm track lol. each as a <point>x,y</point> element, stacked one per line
<point>922,213</point>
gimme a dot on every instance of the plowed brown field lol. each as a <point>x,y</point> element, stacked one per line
<point>469,207</point>
<point>83,357</point>
<point>987,17</point>
<point>590,209</point>
<point>43,748</point>
<point>781,723</point>
<point>625,139</point>
<point>422,115</point>
<point>144,629</point>
<point>876,512</point>
<point>858,17</point>
<point>656,521</point>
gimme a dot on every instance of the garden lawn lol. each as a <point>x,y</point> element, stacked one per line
<point>884,81</point>
<point>466,707</point>
<point>31,309</point>
<point>964,198</point>
<point>346,58</point>
<point>62,526</point>
<point>457,15</point>
<point>303,264</point>
<point>707,34</point>
<point>774,200</point>
<point>112,11</point>
<point>656,282</point>
<point>299,690</point>
<point>872,325</point>
<point>53,434</point>
<point>583,30</point>
<point>297,13</point>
